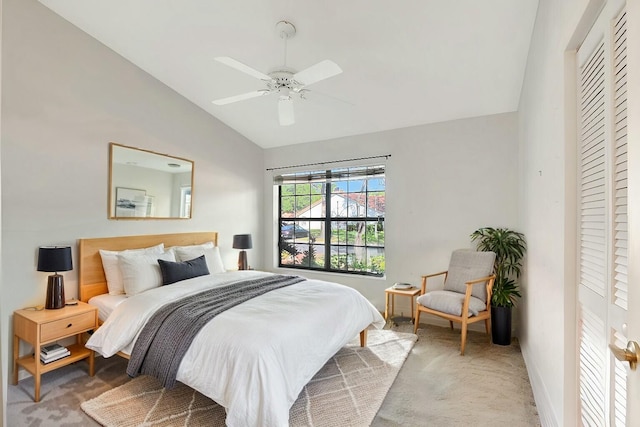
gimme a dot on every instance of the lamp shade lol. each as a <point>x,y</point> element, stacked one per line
<point>54,258</point>
<point>242,241</point>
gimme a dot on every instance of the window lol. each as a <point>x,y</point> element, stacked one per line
<point>185,202</point>
<point>333,220</point>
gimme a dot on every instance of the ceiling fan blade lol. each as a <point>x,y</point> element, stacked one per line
<point>241,67</point>
<point>322,70</point>
<point>242,97</point>
<point>285,111</point>
<point>314,95</point>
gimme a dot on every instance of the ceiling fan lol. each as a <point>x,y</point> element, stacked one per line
<point>284,81</point>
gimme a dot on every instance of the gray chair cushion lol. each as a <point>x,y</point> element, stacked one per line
<point>451,303</point>
<point>466,265</point>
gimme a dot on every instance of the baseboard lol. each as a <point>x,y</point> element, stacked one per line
<point>548,418</point>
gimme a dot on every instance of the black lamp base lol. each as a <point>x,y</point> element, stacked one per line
<point>55,292</point>
<point>242,260</point>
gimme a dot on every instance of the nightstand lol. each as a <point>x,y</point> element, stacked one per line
<point>47,326</point>
<point>392,292</point>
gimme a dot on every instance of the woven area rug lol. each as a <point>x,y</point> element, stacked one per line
<point>347,391</point>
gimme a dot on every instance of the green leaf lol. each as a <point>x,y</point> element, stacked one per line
<point>510,248</point>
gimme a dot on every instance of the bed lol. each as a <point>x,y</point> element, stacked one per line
<point>253,359</point>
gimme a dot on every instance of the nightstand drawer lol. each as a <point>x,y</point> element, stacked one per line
<point>68,326</point>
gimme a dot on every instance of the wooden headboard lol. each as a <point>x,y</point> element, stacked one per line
<point>91,280</point>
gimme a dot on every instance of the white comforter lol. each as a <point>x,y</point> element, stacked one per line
<point>255,358</point>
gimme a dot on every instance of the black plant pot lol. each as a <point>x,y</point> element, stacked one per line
<point>501,325</point>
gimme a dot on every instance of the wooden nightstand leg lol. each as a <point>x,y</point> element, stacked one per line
<point>386,306</point>
<point>36,389</point>
<point>92,364</point>
<point>393,304</point>
<point>16,353</point>
<point>37,376</point>
<point>91,361</point>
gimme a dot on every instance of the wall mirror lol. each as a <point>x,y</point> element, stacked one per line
<point>148,185</point>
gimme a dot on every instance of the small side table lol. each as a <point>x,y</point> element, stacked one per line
<point>392,292</point>
<point>46,326</point>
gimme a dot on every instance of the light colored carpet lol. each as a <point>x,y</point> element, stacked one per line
<point>347,391</point>
<point>488,386</point>
<point>435,387</point>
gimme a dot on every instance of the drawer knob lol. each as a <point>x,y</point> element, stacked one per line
<point>69,325</point>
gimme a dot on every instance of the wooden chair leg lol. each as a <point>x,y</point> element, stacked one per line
<point>463,341</point>
<point>363,338</point>
<point>417,321</point>
<point>451,324</point>
<point>487,326</point>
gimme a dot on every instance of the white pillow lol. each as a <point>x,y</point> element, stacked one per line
<point>112,269</point>
<point>142,271</point>
<point>210,252</point>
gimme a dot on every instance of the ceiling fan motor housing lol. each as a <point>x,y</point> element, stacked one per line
<point>283,78</point>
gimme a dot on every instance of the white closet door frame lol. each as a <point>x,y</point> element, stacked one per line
<point>633,99</point>
<point>602,218</point>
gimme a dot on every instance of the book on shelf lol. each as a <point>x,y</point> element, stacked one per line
<point>53,358</point>
<point>53,354</point>
<point>52,348</point>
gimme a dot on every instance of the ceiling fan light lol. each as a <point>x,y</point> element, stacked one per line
<point>286,116</point>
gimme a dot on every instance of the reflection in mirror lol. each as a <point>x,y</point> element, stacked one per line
<point>145,184</point>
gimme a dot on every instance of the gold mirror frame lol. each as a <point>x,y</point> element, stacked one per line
<point>144,184</point>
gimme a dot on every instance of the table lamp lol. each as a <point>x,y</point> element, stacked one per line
<point>53,259</point>
<point>242,241</point>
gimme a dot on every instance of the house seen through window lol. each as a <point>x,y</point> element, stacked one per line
<point>333,220</point>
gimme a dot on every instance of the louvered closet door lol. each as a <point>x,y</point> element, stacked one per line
<point>602,222</point>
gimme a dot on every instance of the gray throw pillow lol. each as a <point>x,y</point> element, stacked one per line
<point>173,272</point>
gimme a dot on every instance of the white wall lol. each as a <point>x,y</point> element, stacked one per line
<point>443,182</point>
<point>547,208</point>
<point>64,98</point>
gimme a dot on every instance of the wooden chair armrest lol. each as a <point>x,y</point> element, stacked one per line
<point>434,274</point>
<point>428,276</point>
<point>480,280</point>
<point>470,283</point>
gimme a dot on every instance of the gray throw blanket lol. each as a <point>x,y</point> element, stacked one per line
<point>166,337</point>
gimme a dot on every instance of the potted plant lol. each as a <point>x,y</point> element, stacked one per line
<point>509,247</point>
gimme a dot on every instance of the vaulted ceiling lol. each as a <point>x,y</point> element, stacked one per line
<point>403,63</point>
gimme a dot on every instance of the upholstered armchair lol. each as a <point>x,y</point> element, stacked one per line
<point>466,296</point>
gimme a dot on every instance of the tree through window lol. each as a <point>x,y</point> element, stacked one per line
<point>333,220</point>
